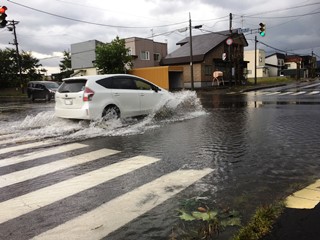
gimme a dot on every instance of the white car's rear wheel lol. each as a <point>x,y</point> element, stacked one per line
<point>111,112</point>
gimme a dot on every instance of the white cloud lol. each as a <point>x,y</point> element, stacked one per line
<point>45,34</point>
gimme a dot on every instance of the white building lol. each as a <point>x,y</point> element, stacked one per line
<point>275,62</point>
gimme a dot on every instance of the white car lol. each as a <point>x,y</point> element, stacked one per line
<point>97,96</point>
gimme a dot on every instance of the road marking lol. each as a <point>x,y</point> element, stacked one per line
<point>39,154</point>
<point>273,93</point>
<point>7,135</point>
<point>306,198</point>
<point>29,202</point>
<point>312,85</point>
<point>285,93</point>
<point>298,93</point>
<point>6,141</point>
<point>25,146</point>
<point>30,173</point>
<point>112,215</point>
<point>313,92</point>
<point>264,93</point>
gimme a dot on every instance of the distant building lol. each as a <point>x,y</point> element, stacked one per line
<point>262,69</point>
<point>83,55</point>
<point>300,66</point>
<point>276,63</point>
<point>145,52</point>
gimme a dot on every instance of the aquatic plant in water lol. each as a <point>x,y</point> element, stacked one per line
<point>198,221</point>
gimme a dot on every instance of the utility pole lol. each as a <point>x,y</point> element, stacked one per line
<point>15,42</point>
<point>191,53</point>
<point>230,23</point>
<point>255,60</point>
<point>229,50</point>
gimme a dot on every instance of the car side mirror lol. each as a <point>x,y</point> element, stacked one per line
<point>156,89</point>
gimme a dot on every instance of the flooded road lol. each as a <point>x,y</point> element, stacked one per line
<point>238,151</point>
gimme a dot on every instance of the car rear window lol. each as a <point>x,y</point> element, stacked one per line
<point>51,85</point>
<point>76,85</point>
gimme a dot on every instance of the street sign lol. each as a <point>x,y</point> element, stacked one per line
<point>243,30</point>
<point>224,56</point>
<point>229,41</point>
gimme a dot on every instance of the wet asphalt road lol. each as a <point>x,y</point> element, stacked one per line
<point>127,182</point>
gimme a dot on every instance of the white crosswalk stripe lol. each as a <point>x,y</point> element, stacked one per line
<point>285,93</point>
<point>298,93</point>
<point>25,146</point>
<point>277,93</point>
<point>314,92</point>
<point>95,224</point>
<point>272,93</point>
<point>130,205</point>
<point>29,202</point>
<point>40,154</point>
<point>30,173</point>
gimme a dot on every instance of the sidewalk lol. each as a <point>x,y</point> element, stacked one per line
<point>297,224</point>
<point>301,218</point>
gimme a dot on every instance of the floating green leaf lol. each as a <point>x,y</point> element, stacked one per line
<point>205,216</point>
<point>186,216</point>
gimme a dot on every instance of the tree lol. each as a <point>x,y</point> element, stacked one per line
<point>65,65</point>
<point>9,68</point>
<point>113,57</point>
<point>29,66</point>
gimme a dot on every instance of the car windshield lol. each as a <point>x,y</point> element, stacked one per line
<point>76,85</point>
<point>51,85</point>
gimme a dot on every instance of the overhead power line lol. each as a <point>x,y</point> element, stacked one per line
<point>277,49</point>
<point>292,16</point>
<point>279,10</point>
<point>93,23</point>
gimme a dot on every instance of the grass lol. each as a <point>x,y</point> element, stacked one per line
<point>11,92</point>
<point>271,80</point>
<point>261,222</point>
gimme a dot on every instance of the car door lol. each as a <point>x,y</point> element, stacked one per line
<point>37,91</point>
<point>150,96</point>
<point>126,96</point>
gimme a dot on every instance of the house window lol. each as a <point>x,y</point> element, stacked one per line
<point>208,70</point>
<point>157,57</point>
<point>145,55</point>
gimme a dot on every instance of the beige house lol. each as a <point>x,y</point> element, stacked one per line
<point>262,70</point>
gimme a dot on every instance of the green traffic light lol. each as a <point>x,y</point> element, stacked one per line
<point>262,29</point>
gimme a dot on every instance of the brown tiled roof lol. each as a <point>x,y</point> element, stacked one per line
<point>201,45</point>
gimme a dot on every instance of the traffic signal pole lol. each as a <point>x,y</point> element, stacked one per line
<point>255,59</point>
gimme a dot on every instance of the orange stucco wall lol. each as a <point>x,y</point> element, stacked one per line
<point>156,75</point>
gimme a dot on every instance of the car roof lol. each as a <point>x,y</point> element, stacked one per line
<point>42,82</point>
<point>97,77</point>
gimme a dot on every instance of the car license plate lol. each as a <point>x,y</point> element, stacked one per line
<point>68,101</point>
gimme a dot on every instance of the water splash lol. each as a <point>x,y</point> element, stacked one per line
<point>178,106</point>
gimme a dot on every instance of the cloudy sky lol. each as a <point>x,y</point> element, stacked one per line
<point>47,28</point>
